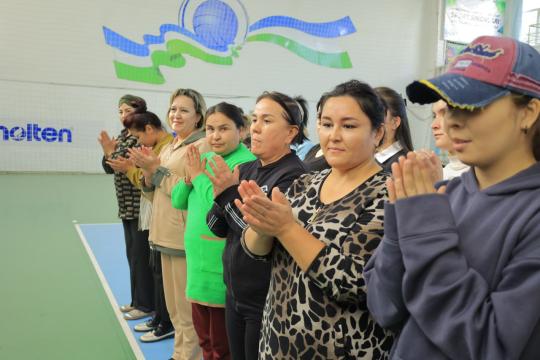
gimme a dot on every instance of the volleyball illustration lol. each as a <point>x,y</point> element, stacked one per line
<point>216,24</point>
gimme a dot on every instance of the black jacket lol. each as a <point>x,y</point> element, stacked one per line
<point>387,165</point>
<point>247,279</point>
<point>314,163</point>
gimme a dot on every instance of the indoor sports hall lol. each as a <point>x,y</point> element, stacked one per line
<point>68,194</point>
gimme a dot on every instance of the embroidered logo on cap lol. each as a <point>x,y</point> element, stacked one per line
<point>482,50</point>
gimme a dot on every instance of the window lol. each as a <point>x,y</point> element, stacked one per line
<point>530,22</point>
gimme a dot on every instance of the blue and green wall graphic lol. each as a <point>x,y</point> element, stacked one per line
<point>215,31</point>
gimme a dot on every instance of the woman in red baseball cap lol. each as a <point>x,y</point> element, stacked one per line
<point>458,271</point>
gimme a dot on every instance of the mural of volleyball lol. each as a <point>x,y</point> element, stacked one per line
<point>215,31</point>
<point>215,23</point>
<point>218,24</point>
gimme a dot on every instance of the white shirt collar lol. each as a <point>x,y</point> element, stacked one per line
<point>387,153</point>
<point>454,168</point>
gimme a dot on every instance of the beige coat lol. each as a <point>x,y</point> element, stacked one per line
<point>167,225</point>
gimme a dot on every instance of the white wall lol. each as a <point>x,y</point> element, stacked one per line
<point>56,69</point>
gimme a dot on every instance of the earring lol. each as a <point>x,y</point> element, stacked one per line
<point>525,130</point>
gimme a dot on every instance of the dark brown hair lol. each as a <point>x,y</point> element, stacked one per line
<point>368,100</point>
<point>231,111</point>
<point>397,107</point>
<point>295,111</point>
<point>138,121</point>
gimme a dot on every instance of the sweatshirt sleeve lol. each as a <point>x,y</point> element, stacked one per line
<point>233,216</point>
<point>106,167</point>
<point>229,211</point>
<point>180,195</point>
<point>165,179</point>
<point>215,219</point>
<point>134,175</point>
<point>338,270</point>
<point>384,275</point>
<point>125,141</point>
<point>452,303</point>
<point>204,190</point>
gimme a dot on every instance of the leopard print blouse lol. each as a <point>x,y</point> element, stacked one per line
<point>322,313</point>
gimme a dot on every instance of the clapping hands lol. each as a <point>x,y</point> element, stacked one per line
<point>194,165</point>
<point>265,216</point>
<point>414,175</point>
<point>121,164</point>
<point>222,177</point>
<point>107,143</point>
<point>144,158</point>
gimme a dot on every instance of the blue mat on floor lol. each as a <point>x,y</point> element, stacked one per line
<point>106,241</point>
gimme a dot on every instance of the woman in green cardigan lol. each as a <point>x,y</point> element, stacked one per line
<point>205,287</point>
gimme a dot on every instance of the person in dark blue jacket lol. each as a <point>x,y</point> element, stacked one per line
<point>277,123</point>
<point>458,271</point>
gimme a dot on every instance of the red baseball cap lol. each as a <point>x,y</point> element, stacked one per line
<point>487,69</point>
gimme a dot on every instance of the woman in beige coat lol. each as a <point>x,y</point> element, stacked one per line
<point>186,115</point>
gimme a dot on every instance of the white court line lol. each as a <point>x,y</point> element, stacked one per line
<point>127,331</point>
<point>100,224</point>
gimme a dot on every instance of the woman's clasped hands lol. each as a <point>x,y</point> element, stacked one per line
<point>414,175</point>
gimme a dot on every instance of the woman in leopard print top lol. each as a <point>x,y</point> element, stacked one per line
<point>320,235</point>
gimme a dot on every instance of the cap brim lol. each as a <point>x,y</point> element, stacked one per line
<point>458,91</point>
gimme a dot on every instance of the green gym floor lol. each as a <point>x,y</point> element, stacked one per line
<point>53,304</point>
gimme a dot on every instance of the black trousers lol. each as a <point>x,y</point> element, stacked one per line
<point>161,316</point>
<point>243,329</point>
<point>138,256</point>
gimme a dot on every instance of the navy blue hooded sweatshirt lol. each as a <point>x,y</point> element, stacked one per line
<point>459,274</point>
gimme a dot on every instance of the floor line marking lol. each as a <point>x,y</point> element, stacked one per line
<point>127,331</point>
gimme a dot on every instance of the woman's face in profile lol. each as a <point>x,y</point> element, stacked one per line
<point>442,141</point>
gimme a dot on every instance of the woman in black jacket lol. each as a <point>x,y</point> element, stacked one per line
<point>277,123</point>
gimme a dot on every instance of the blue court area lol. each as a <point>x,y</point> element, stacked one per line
<point>105,244</point>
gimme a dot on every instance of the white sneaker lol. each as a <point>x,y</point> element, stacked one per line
<point>144,327</point>
<point>157,335</point>
<point>126,308</point>
<point>136,314</point>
